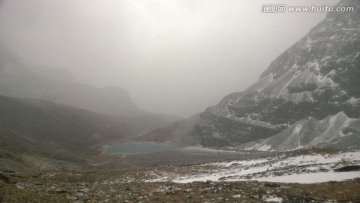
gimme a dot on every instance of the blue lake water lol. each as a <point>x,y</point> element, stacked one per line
<point>140,148</point>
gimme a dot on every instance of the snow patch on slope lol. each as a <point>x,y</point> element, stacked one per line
<point>311,168</point>
<point>353,101</point>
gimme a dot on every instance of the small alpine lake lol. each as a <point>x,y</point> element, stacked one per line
<point>140,148</point>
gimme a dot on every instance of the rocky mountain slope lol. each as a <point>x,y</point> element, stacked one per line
<point>41,135</point>
<point>180,132</point>
<point>334,131</point>
<point>314,84</point>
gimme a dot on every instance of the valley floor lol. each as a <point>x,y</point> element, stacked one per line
<point>299,176</point>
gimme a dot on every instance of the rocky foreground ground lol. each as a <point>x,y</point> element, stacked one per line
<point>106,187</point>
<point>188,183</point>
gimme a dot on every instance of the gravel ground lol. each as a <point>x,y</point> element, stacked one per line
<point>126,186</point>
<point>129,184</point>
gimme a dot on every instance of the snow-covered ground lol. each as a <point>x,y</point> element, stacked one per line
<point>205,149</point>
<point>287,168</point>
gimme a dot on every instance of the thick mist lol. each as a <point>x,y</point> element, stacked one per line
<point>172,56</point>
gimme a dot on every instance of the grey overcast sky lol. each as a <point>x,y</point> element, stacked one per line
<point>172,56</point>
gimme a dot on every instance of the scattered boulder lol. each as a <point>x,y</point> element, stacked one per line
<point>273,185</point>
<point>348,168</point>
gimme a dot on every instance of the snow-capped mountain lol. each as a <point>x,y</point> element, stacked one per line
<point>310,92</point>
<point>300,94</point>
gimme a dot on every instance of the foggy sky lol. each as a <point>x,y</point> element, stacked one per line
<point>172,56</point>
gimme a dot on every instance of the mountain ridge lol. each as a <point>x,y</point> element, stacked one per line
<point>317,77</point>
<point>38,132</point>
